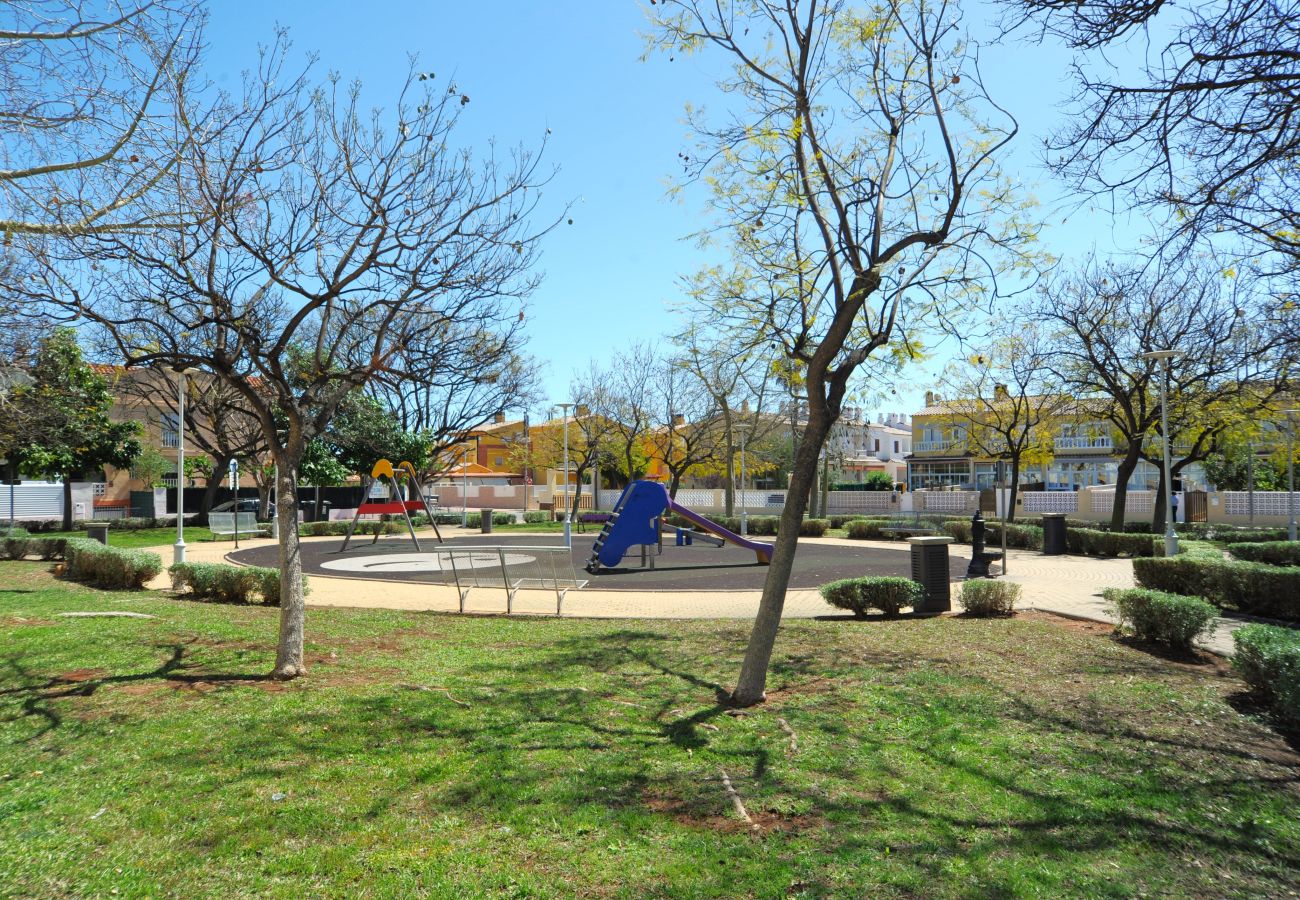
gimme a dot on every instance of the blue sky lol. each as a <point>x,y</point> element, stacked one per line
<point>616,128</point>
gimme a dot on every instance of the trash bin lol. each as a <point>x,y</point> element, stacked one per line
<point>930,570</point>
<point>98,532</point>
<point>485,521</point>
<point>1054,534</point>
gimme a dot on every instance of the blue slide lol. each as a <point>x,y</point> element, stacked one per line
<point>635,521</point>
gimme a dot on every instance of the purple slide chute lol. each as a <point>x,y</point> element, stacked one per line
<point>761,550</point>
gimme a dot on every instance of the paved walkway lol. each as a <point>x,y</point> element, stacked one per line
<point>1066,585</point>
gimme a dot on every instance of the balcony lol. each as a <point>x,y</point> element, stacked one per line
<point>171,438</point>
<point>939,446</point>
<point>1084,443</point>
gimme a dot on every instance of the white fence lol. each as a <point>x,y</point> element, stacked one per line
<point>32,501</point>
<point>1267,503</point>
<point>1138,503</point>
<point>946,501</point>
<point>1052,501</point>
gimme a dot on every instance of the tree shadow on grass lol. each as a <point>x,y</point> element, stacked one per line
<point>37,694</point>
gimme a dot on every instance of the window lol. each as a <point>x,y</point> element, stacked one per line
<point>169,423</point>
<point>877,445</point>
<point>497,461</point>
<point>895,446</point>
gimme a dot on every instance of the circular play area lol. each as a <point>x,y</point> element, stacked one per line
<point>699,567</point>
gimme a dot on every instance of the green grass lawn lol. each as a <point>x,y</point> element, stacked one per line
<point>464,757</point>
<point>144,537</point>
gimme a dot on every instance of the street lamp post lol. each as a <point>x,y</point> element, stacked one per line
<point>178,550</point>
<point>568,526</point>
<point>1171,536</point>
<point>1290,473</point>
<point>744,511</point>
<point>464,491</point>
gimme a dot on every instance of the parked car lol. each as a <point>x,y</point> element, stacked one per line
<point>246,504</point>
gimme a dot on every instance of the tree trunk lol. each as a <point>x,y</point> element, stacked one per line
<point>575,495</point>
<point>293,612</point>
<point>750,688</point>
<point>1127,465</point>
<point>219,464</point>
<point>674,482</point>
<point>826,487</point>
<point>67,503</point>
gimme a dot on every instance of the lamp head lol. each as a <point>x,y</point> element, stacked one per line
<point>1162,354</point>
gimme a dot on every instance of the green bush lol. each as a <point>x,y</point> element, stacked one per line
<point>1162,617</point>
<point>863,530</point>
<point>1275,553</point>
<point>536,516</point>
<point>48,548</point>
<point>1094,542</point>
<point>1024,537</point>
<point>1254,588</point>
<point>1268,659</point>
<point>958,529</point>
<point>763,526</point>
<point>110,567</point>
<point>888,594</point>
<point>16,542</point>
<point>814,527</point>
<point>984,597</point>
<point>228,584</point>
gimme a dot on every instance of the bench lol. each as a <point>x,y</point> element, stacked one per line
<point>591,519</point>
<point>226,523</point>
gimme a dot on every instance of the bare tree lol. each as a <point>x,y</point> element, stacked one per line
<point>218,421</point>
<point>465,377</point>
<point>88,108</point>
<point>1007,401</point>
<point>855,178</point>
<point>687,421</point>
<point>626,400</point>
<point>1103,317</point>
<point>1209,127</point>
<point>328,244</point>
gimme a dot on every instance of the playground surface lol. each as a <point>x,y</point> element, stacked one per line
<point>695,568</point>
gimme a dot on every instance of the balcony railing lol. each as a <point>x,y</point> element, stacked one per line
<point>933,446</point>
<point>171,439</point>
<point>1084,443</point>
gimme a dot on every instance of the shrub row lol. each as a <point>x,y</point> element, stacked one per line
<point>1162,617</point>
<point>228,584</point>
<point>1093,542</point>
<point>110,567</point>
<point>1025,537</point>
<point>889,594</point>
<point>1268,659</point>
<point>1232,534</point>
<point>1275,553</point>
<point>1250,587</point>
<point>534,516</point>
<point>757,526</point>
<point>983,597</point>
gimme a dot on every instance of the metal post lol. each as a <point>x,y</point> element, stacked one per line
<point>744,511</point>
<point>1250,482</point>
<point>1290,476</point>
<point>568,526</point>
<point>1171,536</point>
<point>178,551</point>
<point>464,493</point>
<point>1166,356</point>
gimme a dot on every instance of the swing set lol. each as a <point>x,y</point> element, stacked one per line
<point>393,502</point>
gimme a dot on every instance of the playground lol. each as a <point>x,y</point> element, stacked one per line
<point>699,567</point>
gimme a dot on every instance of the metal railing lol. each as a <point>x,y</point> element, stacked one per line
<point>171,439</point>
<point>932,446</point>
<point>1084,443</point>
<point>543,568</point>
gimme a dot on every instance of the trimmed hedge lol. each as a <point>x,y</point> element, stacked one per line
<point>1162,617</point>
<point>1254,588</point>
<point>983,597</point>
<point>16,543</point>
<point>110,567</point>
<point>228,584</point>
<point>1094,542</point>
<point>1268,659</point>
<point>537,516</point>
<point>887,593</point>
<point>1275,553</point>
<point>864,529</point>
<point>814,527</point>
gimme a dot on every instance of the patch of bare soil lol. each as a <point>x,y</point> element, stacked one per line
<point>692,814</point>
